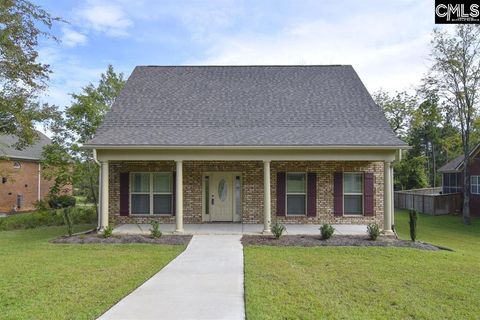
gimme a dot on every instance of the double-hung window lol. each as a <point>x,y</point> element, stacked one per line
<point>475,184</point>
<point>353,192</point>
<point>151,193</point>
<point>296,193</point>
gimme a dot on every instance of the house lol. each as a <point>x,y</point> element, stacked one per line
<point>20,171</point>
<point>250,144</point>
<point>452,178</point>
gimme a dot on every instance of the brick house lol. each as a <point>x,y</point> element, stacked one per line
<point>452,178</point>
<point>20,171</point>
<point>250,144</point>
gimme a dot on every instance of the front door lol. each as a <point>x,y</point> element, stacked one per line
<point>221,196</point>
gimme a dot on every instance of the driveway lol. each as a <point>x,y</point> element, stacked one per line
<point>204,282</point>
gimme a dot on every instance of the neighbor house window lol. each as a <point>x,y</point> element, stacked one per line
<point>475,184</point>
<point>16,165</point>
<point>151,193</point>
<point>296,193</point>
<point>353,192</point>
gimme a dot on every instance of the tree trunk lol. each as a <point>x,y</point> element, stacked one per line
<point>434,166</point>
<point>466,186</point>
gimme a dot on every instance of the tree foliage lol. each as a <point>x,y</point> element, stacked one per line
<point>455,77</point>
<point>22,76</point>
<point>65,161</point>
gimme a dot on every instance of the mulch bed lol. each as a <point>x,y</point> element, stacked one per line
<point>335,241</point>
<point>97,238</point>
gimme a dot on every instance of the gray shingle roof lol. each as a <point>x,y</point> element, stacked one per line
<point>32,152</point>
<point>245,106</point>
<point>457,164</point>
<point>452,165</point>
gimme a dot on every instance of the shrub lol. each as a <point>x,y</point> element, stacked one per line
<point>67,217</point>
<point>277,230</point>
<point>326,231</point>
<point>413,224</point>
<point>63,201</point>
<point>107,232</point>
<point>41,205</point>
<point>155,231</point>
<point>373,231</point>
<point>44,218</point>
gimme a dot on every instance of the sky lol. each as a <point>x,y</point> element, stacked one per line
<point>387,42</point>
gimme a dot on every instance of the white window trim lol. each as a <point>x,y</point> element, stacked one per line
<point>353,193</point>
<point>151,193</point>
<point>477,184</point>
<point>295,193</point>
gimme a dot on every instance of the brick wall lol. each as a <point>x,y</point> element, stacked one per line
<point>252,188</point>
<point>21,181</point>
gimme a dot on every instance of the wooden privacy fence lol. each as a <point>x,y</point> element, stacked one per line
<point>428,201</point>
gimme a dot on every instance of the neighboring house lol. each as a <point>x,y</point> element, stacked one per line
<point>251,144</point>
<point>20,172</point>
<point>452,178</point>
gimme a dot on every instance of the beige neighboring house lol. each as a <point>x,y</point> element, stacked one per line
<point>249,144</point>
<point>21,182</point>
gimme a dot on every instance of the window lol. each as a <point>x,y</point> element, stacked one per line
<point>475,184</point>
<point>296,193</point>
<point>151,193</point>
<point>451,182</point>
<point>353,193</point>
<point>17,165</point>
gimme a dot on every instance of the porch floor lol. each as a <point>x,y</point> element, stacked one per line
<point>238,228</point>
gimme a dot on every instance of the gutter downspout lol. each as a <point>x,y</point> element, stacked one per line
<point>99,222</point>
<point>39,187</point>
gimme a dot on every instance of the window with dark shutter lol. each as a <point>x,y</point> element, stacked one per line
<point>311,194</point>
<point>368,194</point>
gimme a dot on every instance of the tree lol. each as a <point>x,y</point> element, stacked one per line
<point>65,161</point>
<point>22,76</point>
<point>424,135</point>
<point>455,76</point>
<point>398,110</point>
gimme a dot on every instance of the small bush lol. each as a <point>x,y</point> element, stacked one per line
<point>63,201</point>
<point>41,205</point>
<point>326,231</point>
<point>155,231</point>
<point>373,231</point>
<point>67,217</point>
<point>413,224</point>
<point>277,230</point>
<point>107,232</point>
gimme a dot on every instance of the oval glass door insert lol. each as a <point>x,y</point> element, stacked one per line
<point>222,190</point>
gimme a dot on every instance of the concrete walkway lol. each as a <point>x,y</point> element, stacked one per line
<point>239,229</point>
<point>204,282</point>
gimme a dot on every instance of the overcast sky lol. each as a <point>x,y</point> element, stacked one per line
<point>387,42</point>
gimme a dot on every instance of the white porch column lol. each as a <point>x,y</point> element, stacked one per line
<point>179,196</point>
<point>266,197</point>
<point>103,195</point>
<point>387,203</point>
<point>393,196</point>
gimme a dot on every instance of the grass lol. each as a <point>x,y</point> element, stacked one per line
<point>40,280</point>
<point>370,283</point>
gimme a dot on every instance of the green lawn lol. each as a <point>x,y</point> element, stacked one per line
<point>40,280</point>
<point>370,283</point>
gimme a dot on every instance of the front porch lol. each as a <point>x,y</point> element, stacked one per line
<point>253,187</point>
<point>238,229</point>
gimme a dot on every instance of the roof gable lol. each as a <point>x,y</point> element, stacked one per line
<point>245,105</point>
<point>31,152</point>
